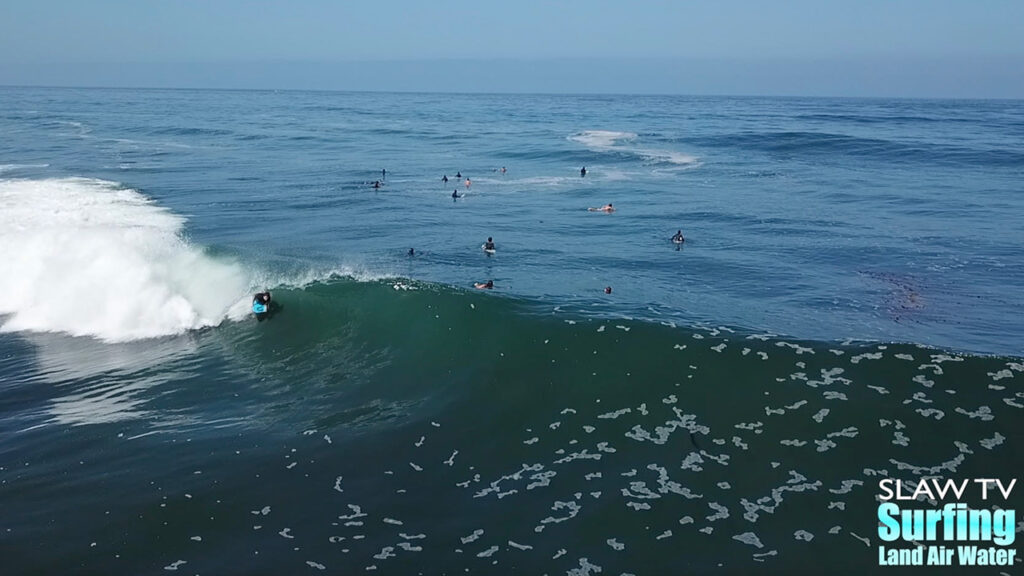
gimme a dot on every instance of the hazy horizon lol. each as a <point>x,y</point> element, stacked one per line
<point>911,48</point>
<point>907,78</point>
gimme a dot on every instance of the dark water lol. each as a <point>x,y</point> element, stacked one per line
<point>846,308</point>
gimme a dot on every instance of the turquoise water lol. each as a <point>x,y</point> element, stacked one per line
<point>845,308</point>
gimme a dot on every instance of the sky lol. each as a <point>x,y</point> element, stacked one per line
<point>940,48</point>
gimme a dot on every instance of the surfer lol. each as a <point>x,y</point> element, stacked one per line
<point>383,174</point>
<point>583,171</point>
<point>261,305</point>
<point>484,285</point>
<point>607,289</point>
<point>456,195</point>
<point>458,174</point>
<point>489,245</point>
<point>502,169</point>
<point>262,298</point>
<point>376,184</point>
<point>607,208</point>
<point>678,237</point>
<point>444,179</point>
<point>412,252</point>
<point>468,183</point>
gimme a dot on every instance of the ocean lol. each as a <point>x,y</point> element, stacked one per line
<point>846,308</point>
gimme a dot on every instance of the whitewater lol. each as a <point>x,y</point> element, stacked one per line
<point>90,258</point>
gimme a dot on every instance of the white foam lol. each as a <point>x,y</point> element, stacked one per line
<point>615,175</point>
<point>89,258</point>
<point>609,140</point>
<point>601,139</point>
<point>12,167</point>
<point>670,157</point>
<point>311,276</point>
<point>530,182</point>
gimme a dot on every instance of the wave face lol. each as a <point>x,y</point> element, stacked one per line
<point>89,258</point>
<point>390,425</point>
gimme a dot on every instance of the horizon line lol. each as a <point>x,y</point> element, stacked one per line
<point>4,86</point>
<point>413,59</point>
<point>829,77</point>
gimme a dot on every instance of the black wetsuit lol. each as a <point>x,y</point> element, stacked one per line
<point>262,298</point>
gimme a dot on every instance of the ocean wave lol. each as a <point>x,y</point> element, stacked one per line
<point>324,302</point>
<point>191,131</point>
<point>677,158</point>
<point>542,430</point>
<point>877,119</point>
<point>601,139</point>
<point>624,143</point>
<point>12,167</point>
<point>838,145</point>
<point>81,130</point>
<point>529,181</point>
<point>89,258</point>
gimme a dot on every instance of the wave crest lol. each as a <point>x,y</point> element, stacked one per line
<point>90,258</point>
<point>601,139</point>
<point>611,141</point>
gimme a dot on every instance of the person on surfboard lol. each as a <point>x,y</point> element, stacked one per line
<point>261,305</point>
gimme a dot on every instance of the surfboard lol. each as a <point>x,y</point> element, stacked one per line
<point>488,250</point>
<point>259,308</point>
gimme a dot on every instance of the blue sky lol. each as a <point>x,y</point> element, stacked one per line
<point>856,48</point>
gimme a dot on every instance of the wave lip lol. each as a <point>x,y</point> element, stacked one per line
<point>89,258</point>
